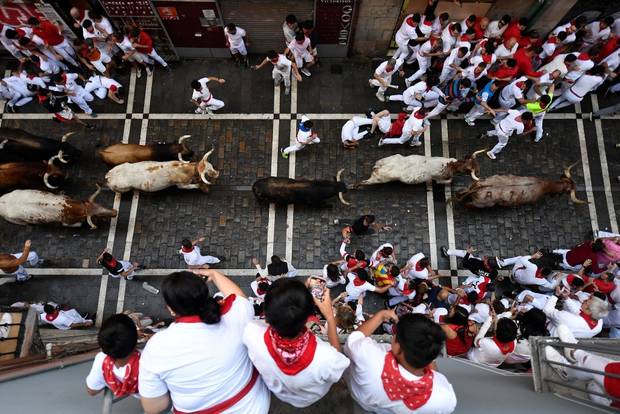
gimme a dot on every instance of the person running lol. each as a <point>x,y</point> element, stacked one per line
<point>282,68</point>
<point>237,42</point>
<point>305,136</point>
<point>202,98</point>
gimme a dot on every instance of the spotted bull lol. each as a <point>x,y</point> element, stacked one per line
<point>30,175</point>
<point>118,154</point>
<point>512,190</point>
<point>42,207</point>
<point>19,145</point>
<point>416,169</point>
<point>151,176</point>
<point>281,190</point>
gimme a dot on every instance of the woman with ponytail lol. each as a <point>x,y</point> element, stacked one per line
<point>199,363</point>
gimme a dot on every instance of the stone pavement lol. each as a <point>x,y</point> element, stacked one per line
<point>246,134</point>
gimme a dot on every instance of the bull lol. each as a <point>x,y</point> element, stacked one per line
<point>118,154</point>
<point>416,169</point>
<point>151,176</point>
<point>19,145</point>
<point>281,190</point>
<point>41,207</point>
<point>513,190</point>
<point>30,174</point>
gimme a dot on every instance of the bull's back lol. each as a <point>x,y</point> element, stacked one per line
<point>121,153</point>
<point>149,175</point>
<point>32,206</point>
<point>411,169</point>
<point>18,174</point>
<point>508,191</point>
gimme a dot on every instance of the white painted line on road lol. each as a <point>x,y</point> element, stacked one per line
<point>199,117</point>
<point>445,149</point>
<point>430,206</point>
<point>604,167</point>
<point>275,154</point>
<point>48,116</point>
<point>585,163</point>
<point>290,210</point>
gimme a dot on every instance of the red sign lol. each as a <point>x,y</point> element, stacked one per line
<point>168,13</point>
<point>334,21</point>
<point>15,13</point>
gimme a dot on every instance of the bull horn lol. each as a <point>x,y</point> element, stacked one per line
<point>3,143</point>
<point>89,220</point>
<point>61,157</point>
<point>567,169</point>
<point>51,160</point>
<point>204,179</point>
<point>206,156</point>
<point>476,153</point>
<point>95,194</point>
<point>342,200</point>
<point>66,136</point>
<point>474,176</point>
<point>181,158</point>
<point>339,174</point>
<point>574,199</point>
<point>47,183</point>
<point>183,138</point>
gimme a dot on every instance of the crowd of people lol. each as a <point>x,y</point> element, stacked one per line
<point>268,343</point>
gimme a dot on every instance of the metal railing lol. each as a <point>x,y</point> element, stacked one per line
<point>109,400</point>
<point>546,379</point>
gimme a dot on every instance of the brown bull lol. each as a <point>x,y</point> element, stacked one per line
<point>513,190</point>
<point>30,174</point>
<point>118,154</point>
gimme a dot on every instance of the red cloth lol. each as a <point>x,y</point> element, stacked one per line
<point>414,394</point>
<point>607,49</point>
<point>512,31</point>
<point>461,344</point>
<point>479,31</point>
<point>358,282</point>
<point>291,355</point>
<point>591,322</point>
<point>396,129</point>
<point>504,72</point>
<point>579,254</point>
<point>129,385</point>
<point>226,304</point>
<point>504,347</point>
<point>52,316</point>
<point>49,33</point>
<point>144,39</point>
<point>524,64</point>
<point>188,319</point>
<point>612,385</point>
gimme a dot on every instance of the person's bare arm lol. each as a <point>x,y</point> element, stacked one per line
<point>487,108</point>
<point>371,325</point>
<point>450,334</point>
<point>223,283</point>
<point>260,65</point>
<point>325,307</point>
<point>221,81</point>
<point>155,405</point>
<point>8,261</point>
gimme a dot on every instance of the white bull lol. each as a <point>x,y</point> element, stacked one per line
<point>416,169</point>
<point>151,176</point>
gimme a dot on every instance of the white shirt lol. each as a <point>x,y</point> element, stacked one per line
<point>202,95</point>
<point>509,125</point>
<point>524,273</point>
<point>98,81</point>
<point>493,30</point>
<point>503,52</point>
<point>105,25</point>
<point>521,354</point>
<point>417,274</point>
<point>485,350</point>
<point>556,64</point>
<point>448,40</point>
<point>376,259</point>
<point>571,37</point>
<point>95,380</point>
<point>65,319</point>
<point>413,124</point>
<point>353,291</point>
<point>235,40</point>
<point>307,386</point>
<point>282,66</point>
<point>586,83</point>
<point>364,380</point>
<point>425,48</point>
<point>383,73</point>
<point>416,89</point>
<point>406,32</point>
<point>202,365</point>
<point>96,35</point>
<point>613,60</point>
<point>125,45</point>
<point>299,49</point>
<point>453,58</point>
<point>594,32</point>
<point>577,325</point>
<point>616,27</point>
<point>289,33</point>
<point>539,300</point>
<point>192,258</point>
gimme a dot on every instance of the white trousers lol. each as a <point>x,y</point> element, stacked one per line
<point>538,121</point>
<point>475,112</point>
<point>81,98</point>
<point>21,274</point>
<point>424,63</point>
<point>588,360</point>
<point>564,263</point>
<point>350,130</point>
<point>157,58</point>
<point>241,50</point>
<point>378,84</point>
<point>406,135</point>
<point>502,140</point>
<point>280,76</point>
<point>447,73</point>
<point>67,52</point>
<point>438,107</point>
<point>457,252</point>
<point>566,99</point>
<point>299,146</point>
<point>212,104</point>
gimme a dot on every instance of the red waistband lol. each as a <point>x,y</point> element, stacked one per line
<point>226,404</point>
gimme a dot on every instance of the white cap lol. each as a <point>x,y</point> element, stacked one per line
<point>304,118</point>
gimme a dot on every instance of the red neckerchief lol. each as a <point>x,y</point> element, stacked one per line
<point>418,267</point>
<point>129,384</point>
<point>417,115</point>
<point>552,40</point>
<point>187,249</point>
<point>410,22</point>
<point>612,385</point>
<point>414,394</point>
<point>291,355</point>
<point>487,58</point>
<point>52,316</point>
<point>226,304</point>
<point>428,22</point>
<point>112,262</point>
<point>188,319</point>
<point>358,282</point>
<point>504,347</point>
<point>591,322</point>
<point>258,281</point>
<point>539,274</point>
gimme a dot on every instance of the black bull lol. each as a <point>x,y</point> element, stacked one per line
<point>281,190</point>
<point>19,145</point>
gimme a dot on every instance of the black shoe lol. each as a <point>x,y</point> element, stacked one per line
<point>222,258</point>
<point>444,251</point>
<point>369,113</point>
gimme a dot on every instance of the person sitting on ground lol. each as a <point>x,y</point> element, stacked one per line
<point>399,377</point>
<point>296,366</point>
<point>362,226</point>
<point>117,365</point>
<point>277,268</point>
<point>192,256</point>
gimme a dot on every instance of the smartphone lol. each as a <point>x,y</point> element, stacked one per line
<point>317,288</point>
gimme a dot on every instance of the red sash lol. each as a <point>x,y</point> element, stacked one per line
<point>225,405</point>
<point>414,394</point>
<point>358,282</point>
<point>612,385</point>
<point>591,322</point>
<point>504,347</point>
<point>129,385</point>
<point>291,355</point>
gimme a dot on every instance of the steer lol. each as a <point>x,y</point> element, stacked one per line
<point>118,154</point>
<point>512,190</point>
<point>30,174</point>
<point>416,169</point>
<point>19,145</point>
<point>289,191</point>
<point>151,176</point>
<point>41,207</point>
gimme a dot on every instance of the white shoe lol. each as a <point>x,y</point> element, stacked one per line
<point>149,72</point>
<point>199,111</point>
<point>370,83</point>
<point>491,155</point>
<point>407,82</point>
<point>567,336</point>
<point>381,142</point>
<point>305,71</point>
<point>209,112</point>
<point>415,143</point>
<point>287,91</point>
<point>470,122</point>
<point>380,96</point>
<point>138,73</point>
<point>554,356</point>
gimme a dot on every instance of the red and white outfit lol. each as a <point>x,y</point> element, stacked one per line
<point>401,291</point>
<point>594,34</point>
<point>205,368</point>
<point>405,33</point>
<point>416,271</point>
<point>510,94</point>
<point>575,94</point>
<point>120,380</point>
<point>448,72</point>
<point>8,43</point>
<point>77,94</point>
<point>303,138</point>
<point>489,351</point>
<point>206,101</point>
<point>385,74</point>
<point>525,272</point>
<point>378,257</point>
<point>99,85</point>
<point>548,48</point>
<point>235,41</point>
<point>51,35</point>
<point>380,385</point>
<point>133,55</point>
<point>356,287</point>
<point>62,319</point>
<point>193,257</point>
<point>504,129</point>
<point>424,62</point>
<point>494,31</point>
<point>581,325</point>
<point>299,371</point>
<point>412,129</point>
<point>148,49</point>
<point>301,51</point>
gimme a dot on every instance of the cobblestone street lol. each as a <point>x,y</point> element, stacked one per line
<point>246,135</point>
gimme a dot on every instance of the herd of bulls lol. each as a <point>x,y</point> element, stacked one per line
<point>31,169</point>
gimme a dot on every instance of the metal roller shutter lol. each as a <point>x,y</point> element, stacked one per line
<point>262,19</point>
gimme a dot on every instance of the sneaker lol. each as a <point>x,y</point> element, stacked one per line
<point>554,356</point>
<point>149,72</point>
<point>10,108</point>
<point>444,251</point>
<point>209,112</point>
<point>199,111</point>
<point>370,83</point>
<point>415,143</point>
<point>370,113</point>
<point>284,155</point>
<point>305,71</point>
<point>407,82</point>
<point>470,122</point>
<point>93,115</point>
<point>167,68</point>
<point>138,73</point>
<point>500,262</point>
<point>567,336</point>
<point>408,108</point>
<point>494,122</point>
<point>287,91</point>
<point>380,97</point>
<point>491,155</point>
<point>380,142</point>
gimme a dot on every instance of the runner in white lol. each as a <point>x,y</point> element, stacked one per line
<point>282,68</point>
<point>382,76</point>
<point>105,87</point>
<point>236,42</point>
<point>202,98</point>
<point>305,136</point>
<point>301,50</point>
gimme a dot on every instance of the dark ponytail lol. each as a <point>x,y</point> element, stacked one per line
<point>187,294</point>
